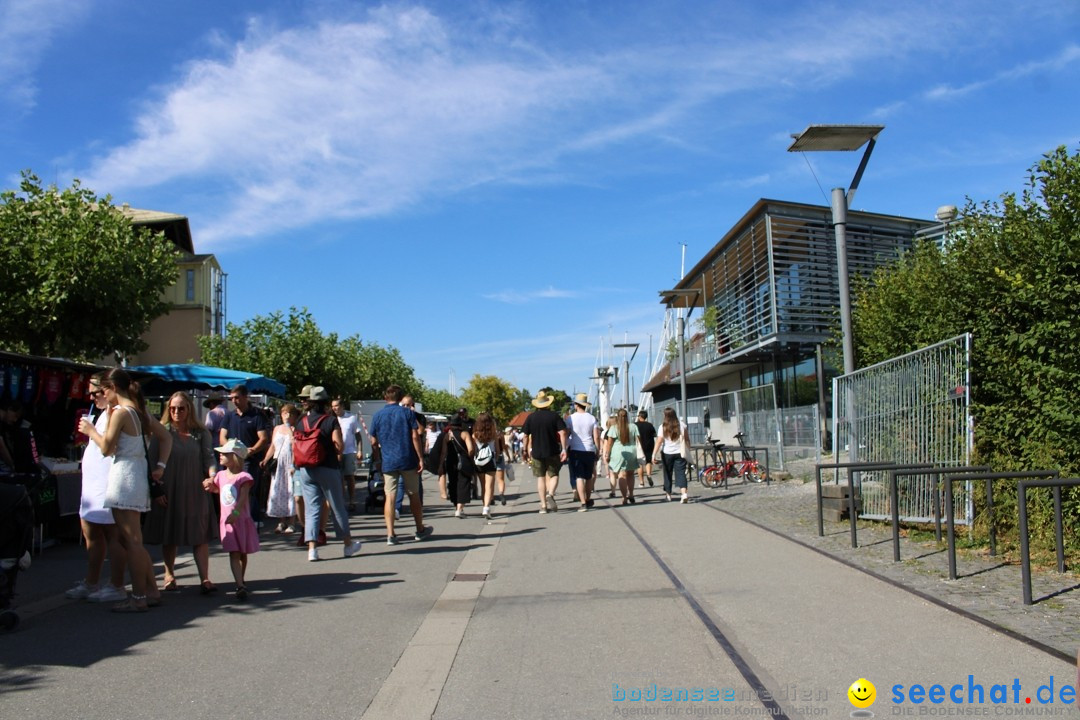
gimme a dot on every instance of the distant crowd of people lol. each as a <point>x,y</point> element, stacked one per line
<point>150,481</point>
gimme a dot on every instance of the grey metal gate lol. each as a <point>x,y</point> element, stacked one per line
<point>911,409</point>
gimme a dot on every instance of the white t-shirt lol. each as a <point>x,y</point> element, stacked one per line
<point>431,438</point>
<point>673,447</point>
<point>581,432</point>
<point>349,427</point>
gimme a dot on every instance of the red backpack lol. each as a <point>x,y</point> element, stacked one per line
<point>308,448</point>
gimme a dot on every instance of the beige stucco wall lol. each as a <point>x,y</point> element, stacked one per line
<point>172,337</point>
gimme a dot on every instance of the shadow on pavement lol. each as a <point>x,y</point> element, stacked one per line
<point>1054,594</point>
<point>81,634</point>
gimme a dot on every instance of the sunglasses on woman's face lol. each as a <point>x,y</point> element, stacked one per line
<point>177,408</point>
<point>94,392</point>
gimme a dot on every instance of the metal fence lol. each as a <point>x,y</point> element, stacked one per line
<point>910,409</point>
<point>789,433</point>
<point>801,428</point>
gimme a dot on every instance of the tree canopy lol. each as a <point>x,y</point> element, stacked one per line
<point>77,279</point>
<point>1010,274</point>
<point>488,393</point>
<point>294,351</point>
<point>439,401</point>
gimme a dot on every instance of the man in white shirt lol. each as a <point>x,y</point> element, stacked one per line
<point>584,442</point>
<point>350,433</point>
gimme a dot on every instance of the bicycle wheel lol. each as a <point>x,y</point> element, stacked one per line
<point>708,478</point>
<point>753,472</point>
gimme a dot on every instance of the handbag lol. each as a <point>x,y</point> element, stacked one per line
<point>465,463</point>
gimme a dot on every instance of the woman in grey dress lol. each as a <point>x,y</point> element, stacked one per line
<point>186,518</point>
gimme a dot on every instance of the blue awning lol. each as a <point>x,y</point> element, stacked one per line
<point>171,378</point>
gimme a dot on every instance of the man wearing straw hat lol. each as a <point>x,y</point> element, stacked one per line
<point>545,448</point>
<point>584,442</point>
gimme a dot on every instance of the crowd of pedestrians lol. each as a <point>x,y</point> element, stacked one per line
<point>150,481</point>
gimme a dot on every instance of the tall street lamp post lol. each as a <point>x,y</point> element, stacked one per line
<point>841,138</point>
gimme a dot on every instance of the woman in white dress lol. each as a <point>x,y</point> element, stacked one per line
<point>280,504</point>
<point>96,519</point>
<point>128,492</point>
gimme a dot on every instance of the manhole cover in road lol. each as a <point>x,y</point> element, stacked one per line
<point>470,577</point>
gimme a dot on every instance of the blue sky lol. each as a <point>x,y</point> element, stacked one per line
<point>503,187</point>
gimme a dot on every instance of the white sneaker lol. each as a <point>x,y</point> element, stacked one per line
<point>486,513</point>
<point>81,591</point>
<point>685,499</point>
<point>108,593</point>
<point>458,513</point>
<point>397,515</point>
<point>352,548</point>
<point>554,505</point>
<point>313,555</point>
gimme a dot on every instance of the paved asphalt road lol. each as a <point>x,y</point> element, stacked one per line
<point>580,615</point>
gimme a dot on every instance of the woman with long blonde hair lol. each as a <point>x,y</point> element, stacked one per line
<point>186,518</point>
<point>128,492</point>
<point>621,449</point>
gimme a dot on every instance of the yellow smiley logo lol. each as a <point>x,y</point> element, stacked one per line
<point>862,693</point>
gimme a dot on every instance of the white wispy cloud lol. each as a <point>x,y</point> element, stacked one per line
<point>1067,56</point>
<point>520,297</point>
<point>27,27</point>
<point>352,119</point>
<point>560,358</point>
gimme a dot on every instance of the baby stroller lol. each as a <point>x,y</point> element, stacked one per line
<point>376,492</point>
<point>16,540</point>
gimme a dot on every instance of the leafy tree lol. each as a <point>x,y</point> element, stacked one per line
<point>1011,276</point>
<point>491,394</point>
<point>439,401</point>
<point>523,401</point>
<point>77,279</point>
<point>562,400</point>
<point>294,351</point>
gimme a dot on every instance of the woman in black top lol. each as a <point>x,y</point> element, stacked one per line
<point>460,469</point>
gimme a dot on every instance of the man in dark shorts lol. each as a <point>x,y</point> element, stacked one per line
<point>647,436</point>
<point>584,446</point>
<point>545,448</point>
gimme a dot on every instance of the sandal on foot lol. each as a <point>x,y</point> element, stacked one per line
<point>207,588</point>
<point>241,593</point>
<point>170,585</point>
<point>131,605</point>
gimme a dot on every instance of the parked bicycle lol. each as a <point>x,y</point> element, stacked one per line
<point>725,466</point>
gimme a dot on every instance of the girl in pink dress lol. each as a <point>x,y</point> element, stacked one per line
<point>239,537</point>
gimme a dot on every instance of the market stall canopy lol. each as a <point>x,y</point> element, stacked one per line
<point>171,378</point>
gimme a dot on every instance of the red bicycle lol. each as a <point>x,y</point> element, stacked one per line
<point>725,465</point>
